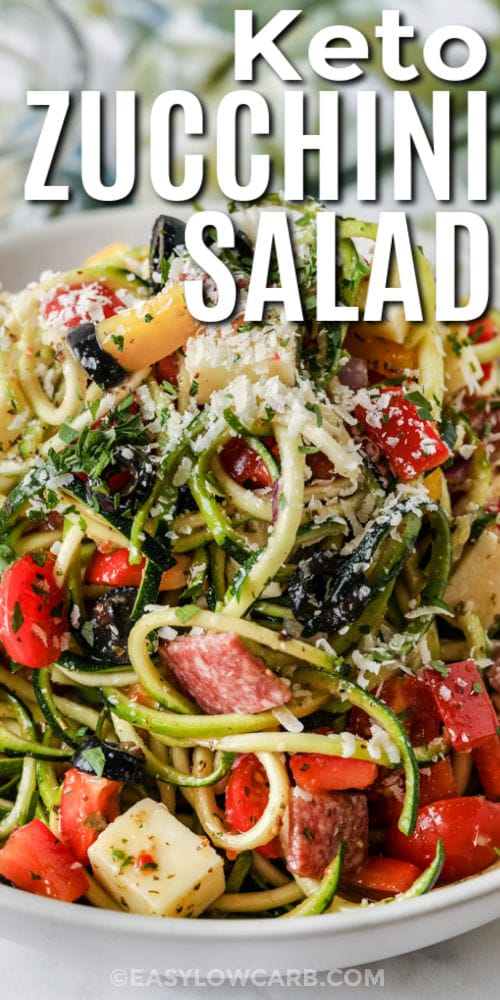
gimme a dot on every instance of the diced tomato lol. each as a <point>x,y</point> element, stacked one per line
<point>72,305</point>
<point>88,804</point>
<point>437,782</point>
<point>113,568</point>
<point>167,369</point>
<point>247,792</point>
<point>34,860</point>
<point>317,772</point>
<point>243,464</point>
<point>411,702</point>
<point>410,444</point>
<point>469,828</point>
<point>320,466</point>
<point>487,760</point>
<point>379,877</point>
<point>33,624</point>
<point>463,704</point>
<point>480,332</point>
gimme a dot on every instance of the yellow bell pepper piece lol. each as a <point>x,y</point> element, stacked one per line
<point>382,356</point>
<point>144,334</point>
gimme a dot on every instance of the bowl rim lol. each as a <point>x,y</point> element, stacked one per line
<point>485,885</point>
<point>478,887</point>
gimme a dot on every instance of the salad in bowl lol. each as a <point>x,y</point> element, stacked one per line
<point>249,603</point>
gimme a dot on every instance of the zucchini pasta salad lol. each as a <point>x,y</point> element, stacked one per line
<point>249,600</point>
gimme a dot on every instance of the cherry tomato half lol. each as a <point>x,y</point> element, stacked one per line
<point>33,624</point>
<point>247,792</point>
<point>82,303</point>
<point>470,831</point>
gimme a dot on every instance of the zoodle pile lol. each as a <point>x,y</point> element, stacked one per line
<point>248,604</point>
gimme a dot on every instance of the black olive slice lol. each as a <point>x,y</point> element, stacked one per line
<point>110,760</point>
<point>168,233</point>
<point>110,620</point>
<point>99,365</point>
<point>322,598</point>
<point>128,482</point>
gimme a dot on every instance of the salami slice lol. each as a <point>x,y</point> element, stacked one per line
<point>317,823</point>
<point>222,676</point>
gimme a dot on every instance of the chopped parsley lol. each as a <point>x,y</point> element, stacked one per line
<point>440,667</point>
<point>119,340</point>
<point>96,758</point>
<point>421,403</point>
<point>17,620</point>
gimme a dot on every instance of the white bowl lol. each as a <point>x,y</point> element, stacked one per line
<point>325,942</point>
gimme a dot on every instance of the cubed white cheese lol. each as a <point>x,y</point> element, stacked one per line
<point>218,354</point>
<point>151,863</point>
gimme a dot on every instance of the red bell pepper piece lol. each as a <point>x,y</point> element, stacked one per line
<point>380,876</point>
<point>437,782</point>
<point>243,464</point>
<point>318,772</point>
<point>410,444</point>
<point>469,828</point>
<point>463,704</point>
<point>487,760</point>
<point>88,804</point>
<point>34,860</point>
<point>409,699</point>
<point>247,792</point>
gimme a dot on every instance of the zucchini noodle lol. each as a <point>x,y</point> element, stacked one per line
<point>239,583</point>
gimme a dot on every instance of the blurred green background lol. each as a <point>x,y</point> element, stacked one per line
<point>155,45</point>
